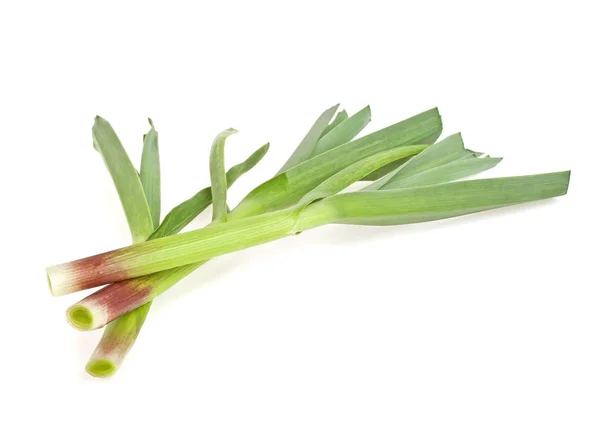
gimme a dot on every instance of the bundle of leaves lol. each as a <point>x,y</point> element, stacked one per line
<point>410,176</point>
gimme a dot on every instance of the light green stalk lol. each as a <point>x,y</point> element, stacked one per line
<point>402,206</point>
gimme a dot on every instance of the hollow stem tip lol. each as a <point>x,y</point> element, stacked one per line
<point>80,317</point>
<point>86,318</point>
<point>100,368</point>
<point>57,281</point>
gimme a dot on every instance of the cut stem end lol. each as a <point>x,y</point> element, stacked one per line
<point>86,317</point>
<point>60,281</point>
<point>100,368</point>
<point>80,317</point>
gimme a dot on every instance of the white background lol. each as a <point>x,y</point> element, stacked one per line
<point>479,329</point>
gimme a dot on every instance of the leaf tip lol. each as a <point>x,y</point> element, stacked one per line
<point>99,121</point>
<point>567,180</point>
<point>333,109</point>
<point>459,137</point>
<point>436,111</point>
<point>367,111</point>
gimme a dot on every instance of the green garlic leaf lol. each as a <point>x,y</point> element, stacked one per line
<point>181,215</point>
<point>339,117</point>
<point>150,173</point>
<point>126,179</point>
<point>218,179</point>
<point>305,148</point>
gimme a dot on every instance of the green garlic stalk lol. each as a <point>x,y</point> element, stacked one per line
<point>412,205</point>
<point>120,334</point>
